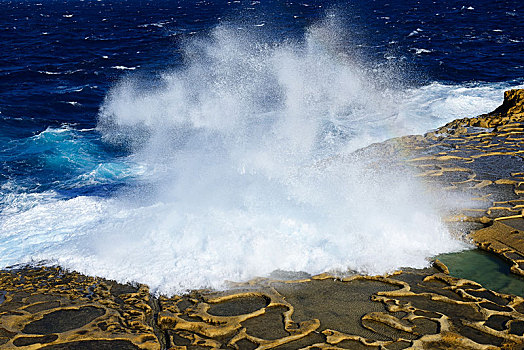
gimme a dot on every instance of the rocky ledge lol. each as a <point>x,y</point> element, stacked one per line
<point>48,308</point>
<point>483,159</point>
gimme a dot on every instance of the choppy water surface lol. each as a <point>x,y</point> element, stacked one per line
<point>183,144</point>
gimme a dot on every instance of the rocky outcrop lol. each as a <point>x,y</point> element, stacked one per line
<point>506,239</point>
<point>417,309</point>
<point>47,308</point>
<point>511,111</point>
<point>512,107</point>
<point>483,158</point>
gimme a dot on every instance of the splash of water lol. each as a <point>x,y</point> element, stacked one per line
<point>248,169</point>
<point>245,138</point>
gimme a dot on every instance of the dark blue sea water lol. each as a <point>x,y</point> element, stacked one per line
<point>143,140</point>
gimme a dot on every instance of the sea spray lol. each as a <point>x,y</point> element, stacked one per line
<point>246,166</point>
<point>247,138</point>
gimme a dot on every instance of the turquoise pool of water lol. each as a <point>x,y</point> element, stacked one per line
<point>484,268</point>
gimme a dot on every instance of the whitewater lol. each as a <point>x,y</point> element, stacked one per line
<point>240,163</point>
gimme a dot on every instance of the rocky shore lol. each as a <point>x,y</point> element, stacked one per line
<point>481,158</point>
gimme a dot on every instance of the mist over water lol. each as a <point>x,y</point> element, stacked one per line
<point>243,165</point>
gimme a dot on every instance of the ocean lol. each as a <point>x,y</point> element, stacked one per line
<point>186,144</point>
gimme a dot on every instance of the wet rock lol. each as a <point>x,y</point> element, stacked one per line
<point>93,345</point>
<point>69,307</point>
<point>506,239</point>
<point>63,320</point>
<point>25,341</point>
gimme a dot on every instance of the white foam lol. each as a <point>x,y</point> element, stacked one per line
<point>421,51</point>
<point>123,68</point>
<point>415,32</point>
<point>246,168</point>
<point>157,24</point>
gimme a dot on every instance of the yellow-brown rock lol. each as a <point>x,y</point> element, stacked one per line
<point>48,308</point>
<point>511,110</point>
<point>513,105</point>
<point>505,238</point>
<point>415,309</point>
